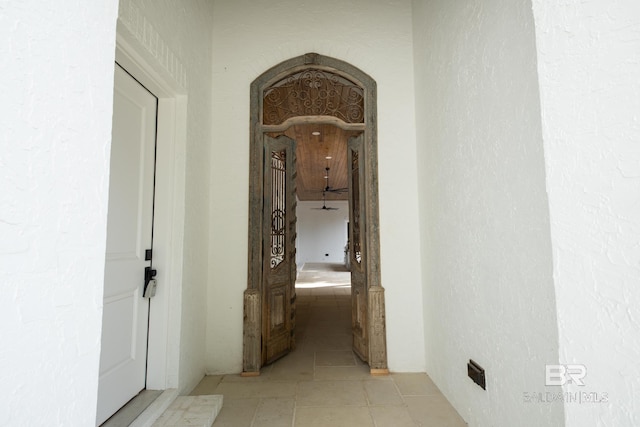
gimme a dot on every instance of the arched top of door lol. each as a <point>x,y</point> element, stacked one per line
<point>313,88</point>
<point>316,70</point>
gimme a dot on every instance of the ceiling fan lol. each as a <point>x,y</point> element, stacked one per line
<point>324,205</point>
<point>328,188</point>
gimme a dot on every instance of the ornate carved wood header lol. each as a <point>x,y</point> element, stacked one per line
<point>313,92</point>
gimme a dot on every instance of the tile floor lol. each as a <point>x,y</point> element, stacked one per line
<point>322,383</point>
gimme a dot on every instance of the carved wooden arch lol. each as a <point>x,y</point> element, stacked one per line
<point>252,326</point>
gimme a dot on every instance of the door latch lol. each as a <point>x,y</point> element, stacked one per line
<point>150,282</point>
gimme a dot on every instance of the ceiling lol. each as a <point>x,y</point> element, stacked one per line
<point>311,159</point>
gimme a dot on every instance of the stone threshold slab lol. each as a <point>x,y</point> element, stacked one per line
<point>190,411</point>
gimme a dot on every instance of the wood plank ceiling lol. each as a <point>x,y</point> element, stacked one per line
<point>312,153</point>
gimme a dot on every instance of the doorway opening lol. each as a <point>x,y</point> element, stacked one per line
<point>319,91</point>
<point>125,322</point>
<point>163,329</point>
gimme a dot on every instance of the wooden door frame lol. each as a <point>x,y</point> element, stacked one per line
<point>252,326</point>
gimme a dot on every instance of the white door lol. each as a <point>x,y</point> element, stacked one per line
<point>129,231</point>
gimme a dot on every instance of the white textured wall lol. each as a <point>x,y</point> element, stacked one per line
<point>252,36</point>
<point>321,232</point>
<point>589,67</point>
<point>55,132</point>
<point>487,265</point>
<point>182,49</point>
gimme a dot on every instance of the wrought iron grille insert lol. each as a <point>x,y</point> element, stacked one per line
<point>355,185</point>
<point>278,207</point>
<point>313,92</point>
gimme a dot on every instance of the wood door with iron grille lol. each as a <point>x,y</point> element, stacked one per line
<point>359,297</point>
<point>279,269</point>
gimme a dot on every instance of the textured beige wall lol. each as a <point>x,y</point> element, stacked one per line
<point>486,249</point>
<point>56,81</point>
<point>589,63</point>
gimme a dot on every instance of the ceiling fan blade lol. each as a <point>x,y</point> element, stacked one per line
<point>325,208</point>
<point>328,188</point>
<point>336,190</point>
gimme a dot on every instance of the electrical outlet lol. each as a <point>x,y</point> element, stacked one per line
<point>476,373</point>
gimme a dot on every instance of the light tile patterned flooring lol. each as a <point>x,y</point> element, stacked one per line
<point>322,383</point>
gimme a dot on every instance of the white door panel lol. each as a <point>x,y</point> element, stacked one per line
<point>129,231</point>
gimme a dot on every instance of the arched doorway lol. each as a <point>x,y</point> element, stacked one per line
<point>325,91</point>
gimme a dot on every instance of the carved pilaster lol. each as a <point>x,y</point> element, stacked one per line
<point>252,353</point>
